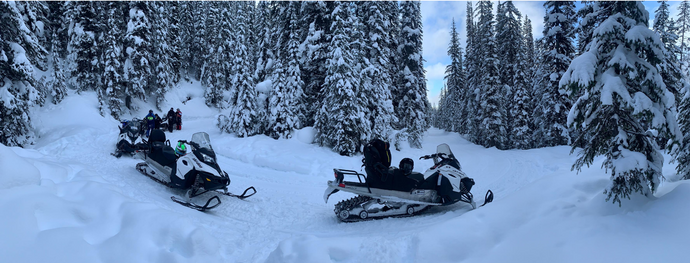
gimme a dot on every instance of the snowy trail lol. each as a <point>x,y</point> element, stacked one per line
<point>71,199</point>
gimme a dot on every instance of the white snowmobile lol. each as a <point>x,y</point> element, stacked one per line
<point>401,192</point>
<point>129,139</point>
<point>198,171</point>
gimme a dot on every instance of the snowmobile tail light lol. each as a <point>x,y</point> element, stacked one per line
<point>335,175</point>
<point>341,185</point>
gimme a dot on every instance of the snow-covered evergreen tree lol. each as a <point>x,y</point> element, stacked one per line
<point>552,106</point>
<point>112,87</point>
<point>83,47</point>
<point>492,111</point>
<point>17,92</point>
<point>162,77</point>
<point>671,69</point>
<point>456,93</point>
<point>56,84</point>
<point>314,57</point>
<point>286,103</point>
<point>412,109</point>
<point>474,77</point>
<point>137,68</point>
<point>244,118</point>
<point>376,84</point>
<point>683,23</point>
<point>624,106</point>
<point>339,120</point>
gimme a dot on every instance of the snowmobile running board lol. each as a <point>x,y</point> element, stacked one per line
<point>206,206</point>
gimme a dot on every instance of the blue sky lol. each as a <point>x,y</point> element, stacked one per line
<point>437,18</point>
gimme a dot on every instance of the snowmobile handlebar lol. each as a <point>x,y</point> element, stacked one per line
<point>440,155</point>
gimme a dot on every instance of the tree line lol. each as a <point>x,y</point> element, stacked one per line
<point>599,80</point>
<point>352,70</point>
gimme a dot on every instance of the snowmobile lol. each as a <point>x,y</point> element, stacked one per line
<point>129,139</point>
<point>403,192</point>
<point>197,171</point>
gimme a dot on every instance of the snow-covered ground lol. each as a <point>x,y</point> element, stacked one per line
<point>66,199</point>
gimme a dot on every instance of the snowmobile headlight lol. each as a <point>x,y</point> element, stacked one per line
<point>207,158</point>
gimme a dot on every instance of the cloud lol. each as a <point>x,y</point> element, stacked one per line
<point>434,81</point>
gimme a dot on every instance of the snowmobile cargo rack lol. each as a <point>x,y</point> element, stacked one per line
<point>340,176</point>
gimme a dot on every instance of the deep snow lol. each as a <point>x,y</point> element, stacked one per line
<point>66,199</point>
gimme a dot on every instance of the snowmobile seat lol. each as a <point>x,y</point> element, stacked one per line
<point>157,136</point>
<point>162,154</point>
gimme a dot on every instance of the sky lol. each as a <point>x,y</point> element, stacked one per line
<point>437,19</point>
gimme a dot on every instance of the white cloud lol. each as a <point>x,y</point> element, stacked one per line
<point>435,71</point>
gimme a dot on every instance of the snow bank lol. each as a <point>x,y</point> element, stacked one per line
<point>15,170</point>
<point>84,221</point>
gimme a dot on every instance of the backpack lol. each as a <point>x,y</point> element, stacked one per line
<point>377,151</point>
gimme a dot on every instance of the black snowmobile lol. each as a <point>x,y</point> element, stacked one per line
<point>388,191</point>
<point>129,140</point>
<point>196,171</point>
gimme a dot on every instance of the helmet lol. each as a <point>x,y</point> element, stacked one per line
<point>150,111</point>
<point>180,149</point>
<point>406,165</point>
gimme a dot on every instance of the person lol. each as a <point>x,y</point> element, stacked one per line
<point>171,119</point>
<point>180,149</point>
<point>150,122</point>
<point>178,119</point>
<point>158,121</point>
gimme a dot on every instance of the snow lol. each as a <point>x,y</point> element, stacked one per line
<point>68,198</point>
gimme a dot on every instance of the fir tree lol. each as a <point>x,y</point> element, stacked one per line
<point>314,57</point>
<point>244,118</point>
<point>17,92</point>
<point>492,111</point>
<point>83,47</point>
<point>138,49</point>
<point>683,23</point>
<point>338,122</point>
<point>112,79</point>
<point>456,93</point>
<point>413,105</point>
<point>623,101</point>
<point>671,70</point>
<point>286,105</point>
<point>474,77</point>
<point>558,47</point>
<point>162,78</point>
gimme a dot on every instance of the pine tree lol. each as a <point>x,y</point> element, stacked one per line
<point>413,105</point>
<point>83,47</point>
<point>244,117</point>
<point>376,84</point>
<point>509,39</point>
<point>162,78</point>
<point>623,101</point>
<point>671,70</point>
<point>286,105</point>
<point>138,50</point>
<point>314,57</point>
<point>474,77</point>
<point>683,23</point>
<point>112,79</point>
<point>492,111</point>
<point>18,45</point>
<point>338,122</point>
<point>456,92</point>
<point>552,106</point>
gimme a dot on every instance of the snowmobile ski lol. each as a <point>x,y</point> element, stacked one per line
<point>202,208</point>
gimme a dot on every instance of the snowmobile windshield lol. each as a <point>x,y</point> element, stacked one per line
<point>449,157</point>
<point>202,139</point>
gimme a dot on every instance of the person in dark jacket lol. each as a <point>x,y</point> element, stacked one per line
<point>178,119</point>
<point>150,122</point>
<point>171,119</point>
<point>158,121</point>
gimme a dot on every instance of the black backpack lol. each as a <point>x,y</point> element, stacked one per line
<point>377,151</point>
